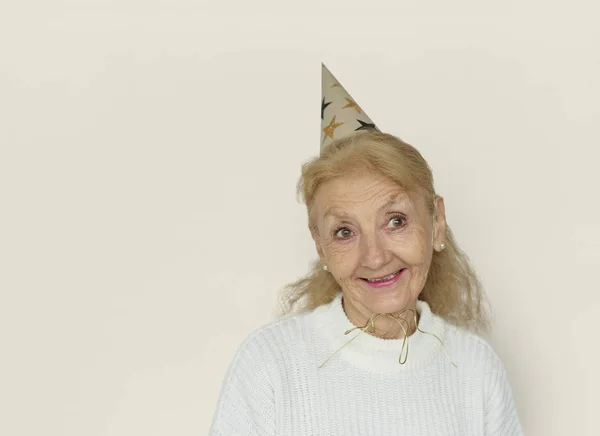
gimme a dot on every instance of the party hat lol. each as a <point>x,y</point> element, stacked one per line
<point>340,114</point>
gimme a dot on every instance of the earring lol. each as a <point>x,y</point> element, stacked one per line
<point>442,246</point>
<point>325,268</point>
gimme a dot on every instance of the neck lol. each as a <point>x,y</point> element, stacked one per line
<point>385,325</point>
<point>347,343</point>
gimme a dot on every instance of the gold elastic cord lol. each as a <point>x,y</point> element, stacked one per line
<point>370,326</point>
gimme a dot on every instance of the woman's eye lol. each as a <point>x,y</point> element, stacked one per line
<point>343,233</point>
<point>397,221</point>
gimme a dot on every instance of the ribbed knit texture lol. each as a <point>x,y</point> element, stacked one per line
<point>274,386</point>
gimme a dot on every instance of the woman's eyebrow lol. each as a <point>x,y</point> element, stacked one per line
<point>392,199</point>
<point>399,197</point>
<point>335,212</point>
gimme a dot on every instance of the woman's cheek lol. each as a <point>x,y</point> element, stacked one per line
<point>342,258</point>
<point>339,248</point>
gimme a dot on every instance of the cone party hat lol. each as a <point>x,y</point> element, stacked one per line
<point>340,114</point>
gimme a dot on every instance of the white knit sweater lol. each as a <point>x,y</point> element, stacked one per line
<point>274,385</point>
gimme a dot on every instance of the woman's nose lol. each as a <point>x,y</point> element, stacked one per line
<point>374,252</point>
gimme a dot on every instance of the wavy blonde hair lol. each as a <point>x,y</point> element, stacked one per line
<point>452,289</point>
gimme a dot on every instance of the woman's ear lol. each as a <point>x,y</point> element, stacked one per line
<point>439,223</point>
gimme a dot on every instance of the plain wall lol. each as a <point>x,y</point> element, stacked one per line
<point>148,216</point>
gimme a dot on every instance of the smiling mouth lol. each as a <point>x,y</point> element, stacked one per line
<point>384,278</point>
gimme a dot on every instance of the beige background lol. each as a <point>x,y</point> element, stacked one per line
<point>149,155</point>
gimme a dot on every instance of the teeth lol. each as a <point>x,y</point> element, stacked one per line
<point>391,276</point>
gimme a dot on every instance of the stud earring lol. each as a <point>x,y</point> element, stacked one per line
<point>325,268</point>
<point>442,246</point>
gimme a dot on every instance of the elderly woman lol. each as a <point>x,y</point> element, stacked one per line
<point>386,342</point>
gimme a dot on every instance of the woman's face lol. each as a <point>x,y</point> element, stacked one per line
<point>368,228</point>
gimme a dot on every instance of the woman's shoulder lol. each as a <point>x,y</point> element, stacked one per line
<point>254,375</point>
<point>275,337</point>
<point>473,347</point>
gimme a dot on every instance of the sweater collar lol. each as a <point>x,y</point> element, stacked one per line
<point>377,354</point>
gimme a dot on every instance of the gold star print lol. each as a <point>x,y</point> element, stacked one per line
<point>330,128</point>
<point>351,103</point>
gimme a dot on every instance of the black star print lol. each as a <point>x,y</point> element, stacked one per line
<point>323,107</point>
<point>365,126</point>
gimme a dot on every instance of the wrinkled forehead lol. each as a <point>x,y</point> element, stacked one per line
<point>345,197</point>
<point>344,205</point>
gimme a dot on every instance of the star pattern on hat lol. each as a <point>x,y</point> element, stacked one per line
<point>365,126</point>
<point>323,107</point>
<point>344,115</point>
<point>331,128</point>
<point>351,104</point>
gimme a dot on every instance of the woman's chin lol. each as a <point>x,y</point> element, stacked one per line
<point>388,302</point>
<point>386,299</point>
<point>389,306</point>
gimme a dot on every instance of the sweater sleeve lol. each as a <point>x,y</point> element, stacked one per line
<point>501,417</point>
<point>246,403</point>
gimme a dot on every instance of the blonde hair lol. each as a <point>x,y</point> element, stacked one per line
<point>452,289</point>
